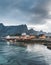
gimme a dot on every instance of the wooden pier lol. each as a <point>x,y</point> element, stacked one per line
<point>36,41</point>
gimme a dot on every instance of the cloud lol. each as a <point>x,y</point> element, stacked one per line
<point>40,12</point>
<point>26,11</point>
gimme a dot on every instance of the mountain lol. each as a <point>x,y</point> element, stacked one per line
<point>12,30</point>
<point>48,34</point>
<point>18,30</point>
<point>32,32</point>
<point>1,29</point>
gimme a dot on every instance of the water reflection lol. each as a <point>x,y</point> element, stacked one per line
<point>24,54</point>
<point>41,50</point>
<point>8,43</point>
<point>36,47</point>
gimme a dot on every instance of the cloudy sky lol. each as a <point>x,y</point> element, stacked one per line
<point>34,13</point>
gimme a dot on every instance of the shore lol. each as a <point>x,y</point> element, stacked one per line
<point>46,41</point>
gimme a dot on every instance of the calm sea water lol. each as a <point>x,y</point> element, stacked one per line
<point>30,55</point>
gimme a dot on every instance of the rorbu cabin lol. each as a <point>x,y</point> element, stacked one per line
<point>32,37</point>
<point>42,36</point>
